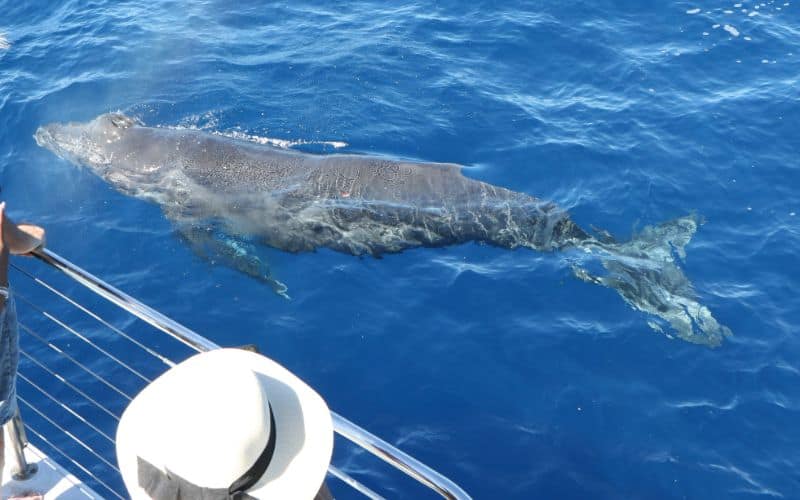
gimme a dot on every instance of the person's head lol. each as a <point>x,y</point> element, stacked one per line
<point>222,421</point>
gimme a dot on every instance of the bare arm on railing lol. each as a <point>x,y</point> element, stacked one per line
<point>15,239</point>
<point>22,238</point>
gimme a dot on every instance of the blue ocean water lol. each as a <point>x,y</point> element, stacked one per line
<point>497,368</point>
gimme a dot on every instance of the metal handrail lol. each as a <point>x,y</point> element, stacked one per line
<point>342,426</point>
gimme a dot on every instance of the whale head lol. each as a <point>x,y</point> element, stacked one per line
<point>91,143</point>
<point>112,145</point>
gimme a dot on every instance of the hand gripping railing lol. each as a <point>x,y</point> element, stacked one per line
<point>345,428</point>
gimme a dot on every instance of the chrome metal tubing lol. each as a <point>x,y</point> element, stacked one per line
<point>345,478</point>
<point>21,470</point>
<point>401,460</point>
<point>347,429</point>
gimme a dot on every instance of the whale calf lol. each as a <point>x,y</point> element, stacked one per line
<point>225,194</point>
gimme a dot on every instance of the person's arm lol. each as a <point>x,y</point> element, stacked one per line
<point>17,239</point>
<point>22,239</point>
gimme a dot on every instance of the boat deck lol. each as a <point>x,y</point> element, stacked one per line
<point>51,480</point>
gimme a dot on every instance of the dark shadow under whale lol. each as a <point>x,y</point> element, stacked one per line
<point>224,193</point>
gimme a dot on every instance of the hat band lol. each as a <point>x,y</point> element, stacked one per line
<point>258,469</point>
<point>166,485</point>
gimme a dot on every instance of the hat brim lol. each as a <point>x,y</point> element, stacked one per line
<point>303,431</point>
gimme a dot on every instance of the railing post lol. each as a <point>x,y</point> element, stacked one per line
<point>21,469</point>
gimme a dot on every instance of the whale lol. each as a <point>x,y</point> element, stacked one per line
<point>226,195</point>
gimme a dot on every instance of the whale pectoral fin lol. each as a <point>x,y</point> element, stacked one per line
<point>215,246</point>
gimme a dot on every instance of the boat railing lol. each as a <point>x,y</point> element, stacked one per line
<point>75,380</point>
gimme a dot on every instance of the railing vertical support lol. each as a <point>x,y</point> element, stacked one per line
<point>21,470</point>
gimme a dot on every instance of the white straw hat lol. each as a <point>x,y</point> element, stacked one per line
<point>207,422</point>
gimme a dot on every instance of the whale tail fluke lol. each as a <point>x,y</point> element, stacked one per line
<point>645,272</point>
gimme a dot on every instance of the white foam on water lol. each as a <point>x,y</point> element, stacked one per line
<point>235,134</point>
<point>4,43</point>
<point>693,11</point>
<point>730,29</point>
<point>201,121</point>
<point>281,143</point>
<point>754,13</point>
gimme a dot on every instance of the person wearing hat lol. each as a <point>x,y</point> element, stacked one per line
<point>225,424</point>
<point>18,239</point>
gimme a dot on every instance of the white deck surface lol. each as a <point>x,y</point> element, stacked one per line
<point>51,479</point>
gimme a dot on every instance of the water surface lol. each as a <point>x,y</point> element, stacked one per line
<point>497,368</point>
